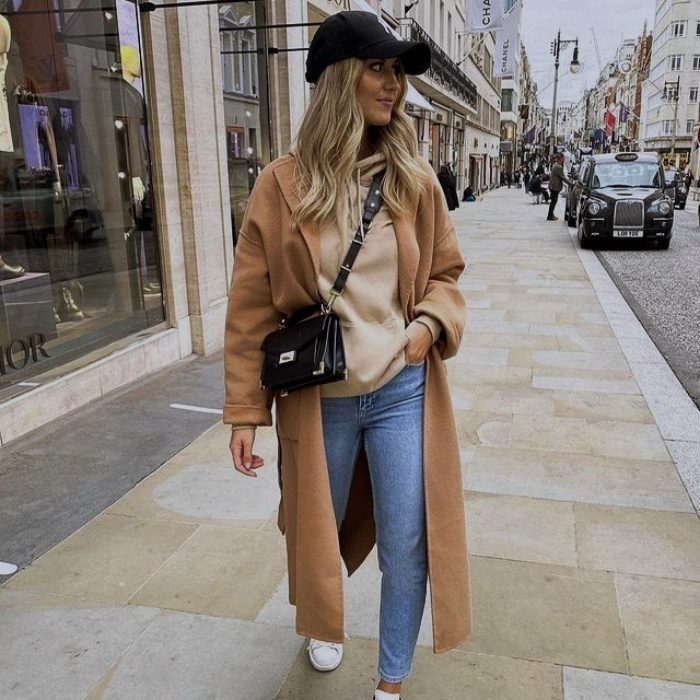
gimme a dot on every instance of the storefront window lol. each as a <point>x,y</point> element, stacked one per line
<point>241,103</point>
<point>79,262</point>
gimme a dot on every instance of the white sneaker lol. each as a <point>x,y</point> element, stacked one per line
<point>325,656</point>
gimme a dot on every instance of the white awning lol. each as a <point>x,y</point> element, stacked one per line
<point>415,98</point>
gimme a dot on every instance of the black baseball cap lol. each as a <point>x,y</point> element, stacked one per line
<point>361,35</point>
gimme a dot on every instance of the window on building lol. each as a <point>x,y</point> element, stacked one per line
<point>235,141</point>
<point>697,29</point>
<point>696,61</point>
<point>675,62</point>
<point>241,104</point>
<point>689,126</point>
<point>667,127</point>
<point>670,93</point>
<point>227,61</point>
<point>507,100</point>
<point>245,87</point>
<point>678,29</point>
<point>488,62</point>
<point>693,95</point>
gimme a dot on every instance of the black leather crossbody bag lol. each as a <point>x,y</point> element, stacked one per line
<point>307,348</point>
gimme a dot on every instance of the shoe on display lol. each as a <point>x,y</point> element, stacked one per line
<point>67,309</point>
<point>151,288</point>
<point>10,272</point>
<point>325,656</point>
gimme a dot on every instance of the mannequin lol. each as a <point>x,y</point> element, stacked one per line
<point>7,271</point>
<point>5,132</point>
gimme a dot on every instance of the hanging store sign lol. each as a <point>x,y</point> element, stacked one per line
<point>485,15</point>
<point>506,45</point>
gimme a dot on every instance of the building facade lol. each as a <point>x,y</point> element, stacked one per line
<point>670,94</point>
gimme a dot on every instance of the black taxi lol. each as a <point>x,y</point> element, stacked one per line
<point>622,196</point>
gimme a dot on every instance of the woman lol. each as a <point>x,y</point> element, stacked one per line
<point>353,463</point>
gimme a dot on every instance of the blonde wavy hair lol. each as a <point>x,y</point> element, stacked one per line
<point>329,141</point>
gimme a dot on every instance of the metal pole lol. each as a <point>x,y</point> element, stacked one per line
<point>675,120</point>
<point>264,106</point>
<point>554,97</point>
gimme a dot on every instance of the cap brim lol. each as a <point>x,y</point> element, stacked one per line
<point>415,55</point>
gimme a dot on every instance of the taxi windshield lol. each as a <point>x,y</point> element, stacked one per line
<point>627,175</point>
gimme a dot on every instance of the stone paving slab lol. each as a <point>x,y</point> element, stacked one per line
<point>661,625</point>
<point>107,560</point>
<point>551,614</point>
<point>62,652</point>
<point>521,529</point>
<point>583,684</point>
<point>584,478</point>
<point>635,541</point>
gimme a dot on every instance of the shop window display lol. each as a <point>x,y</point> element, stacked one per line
<point>79,263</point>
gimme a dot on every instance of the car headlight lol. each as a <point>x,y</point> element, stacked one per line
<point>595,206</point>
<point>663,206</point>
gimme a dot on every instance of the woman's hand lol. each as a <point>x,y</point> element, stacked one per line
<point>418,345</point>
<point>242,451</point>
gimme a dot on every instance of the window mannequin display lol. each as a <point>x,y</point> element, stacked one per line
<point>5,129</point>
<point>44,197</point>
<point>7,271</point>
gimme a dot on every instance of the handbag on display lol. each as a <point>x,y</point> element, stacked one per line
<point>307,348</point>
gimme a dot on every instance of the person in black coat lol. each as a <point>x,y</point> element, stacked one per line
<point>449,187</point>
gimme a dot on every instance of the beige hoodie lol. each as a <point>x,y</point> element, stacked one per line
<point>374,331</point>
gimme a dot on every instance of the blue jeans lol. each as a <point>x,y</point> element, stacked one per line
<point>389,423</point>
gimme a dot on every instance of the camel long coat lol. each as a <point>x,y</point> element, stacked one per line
<point>275,272</point>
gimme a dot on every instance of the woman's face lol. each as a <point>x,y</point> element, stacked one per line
<point>378,89</point>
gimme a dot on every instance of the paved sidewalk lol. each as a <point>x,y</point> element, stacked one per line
<point>584,540</point>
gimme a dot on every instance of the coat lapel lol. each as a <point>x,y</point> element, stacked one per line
<point>284,173</point>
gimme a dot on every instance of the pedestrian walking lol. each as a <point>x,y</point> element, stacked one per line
<point>449,187</point>
<point>373,457</point>
<point>557,178</point>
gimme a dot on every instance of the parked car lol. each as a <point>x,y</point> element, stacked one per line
<point>620,196</point>
<point>675,179</point>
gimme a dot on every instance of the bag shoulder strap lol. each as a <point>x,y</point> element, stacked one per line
<point>372,204</point>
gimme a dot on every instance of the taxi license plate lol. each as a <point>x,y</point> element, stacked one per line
<point>627,233</point>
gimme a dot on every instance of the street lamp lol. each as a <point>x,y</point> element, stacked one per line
<point>671,92</point>
<point>557,45</point>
